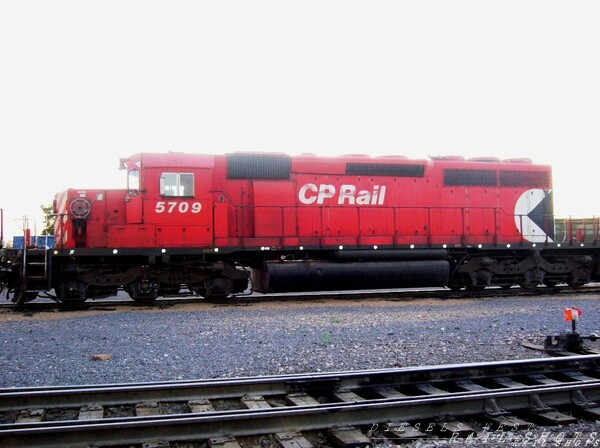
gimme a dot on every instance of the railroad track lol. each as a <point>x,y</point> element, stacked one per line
<point>393,294</point>
<point>350,409</point>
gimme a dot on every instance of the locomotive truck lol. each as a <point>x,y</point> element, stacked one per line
<point>232,224</point>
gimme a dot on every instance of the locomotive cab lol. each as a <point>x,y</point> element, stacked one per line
<point>157,234</point>
<point>168,201</point>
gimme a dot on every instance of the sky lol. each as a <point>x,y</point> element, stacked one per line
<point>85,83</point>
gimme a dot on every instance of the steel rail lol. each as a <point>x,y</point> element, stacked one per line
<point>500,393</point>
<point>115,394</point>
<point>297,418</point>
<point>384,294</point>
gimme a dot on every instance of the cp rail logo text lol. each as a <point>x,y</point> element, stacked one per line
<point>347,194</point>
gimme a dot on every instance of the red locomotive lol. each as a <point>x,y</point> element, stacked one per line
<point>220,225</point>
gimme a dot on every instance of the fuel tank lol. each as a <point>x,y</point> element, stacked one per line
<point>318,275</point>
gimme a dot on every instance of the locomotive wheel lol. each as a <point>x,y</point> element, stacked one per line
<point>24,297</point>
<point>137,298</point>
<point>215,288</point>
<point>143,291</point>
<point>20,296</point>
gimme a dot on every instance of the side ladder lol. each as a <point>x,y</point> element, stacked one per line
<point>34,275</point>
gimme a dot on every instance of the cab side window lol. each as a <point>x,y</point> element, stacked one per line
<point>133,180</point>
<point>177,184</point>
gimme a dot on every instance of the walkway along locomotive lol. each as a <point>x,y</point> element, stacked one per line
<point>220,225</point>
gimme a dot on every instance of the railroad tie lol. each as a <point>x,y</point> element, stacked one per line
<point>31,416</point>
<point>578,376</point>
<point>199,406</point>
<point>301,399</point>
<point>430,389</point>
<point>547,415</point>
<point>156,444</point>
<point>349,437</point>
<point>388,392</point>
<point>450,427</point>
<point>224,442</point>
<point>347,396</point>
<point>292,440</point>
<point>538,410</point>
<point>401,432</point>
<point>91,412</point>
<point>584,407</point>
<point>147,409</point>
<point>254,402</point>
<point>493,413</point>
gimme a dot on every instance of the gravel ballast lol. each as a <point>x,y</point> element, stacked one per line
<point>193,341</point>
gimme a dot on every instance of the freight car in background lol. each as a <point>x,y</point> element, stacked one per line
<point>221,225</point>
<point>39,241</point>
